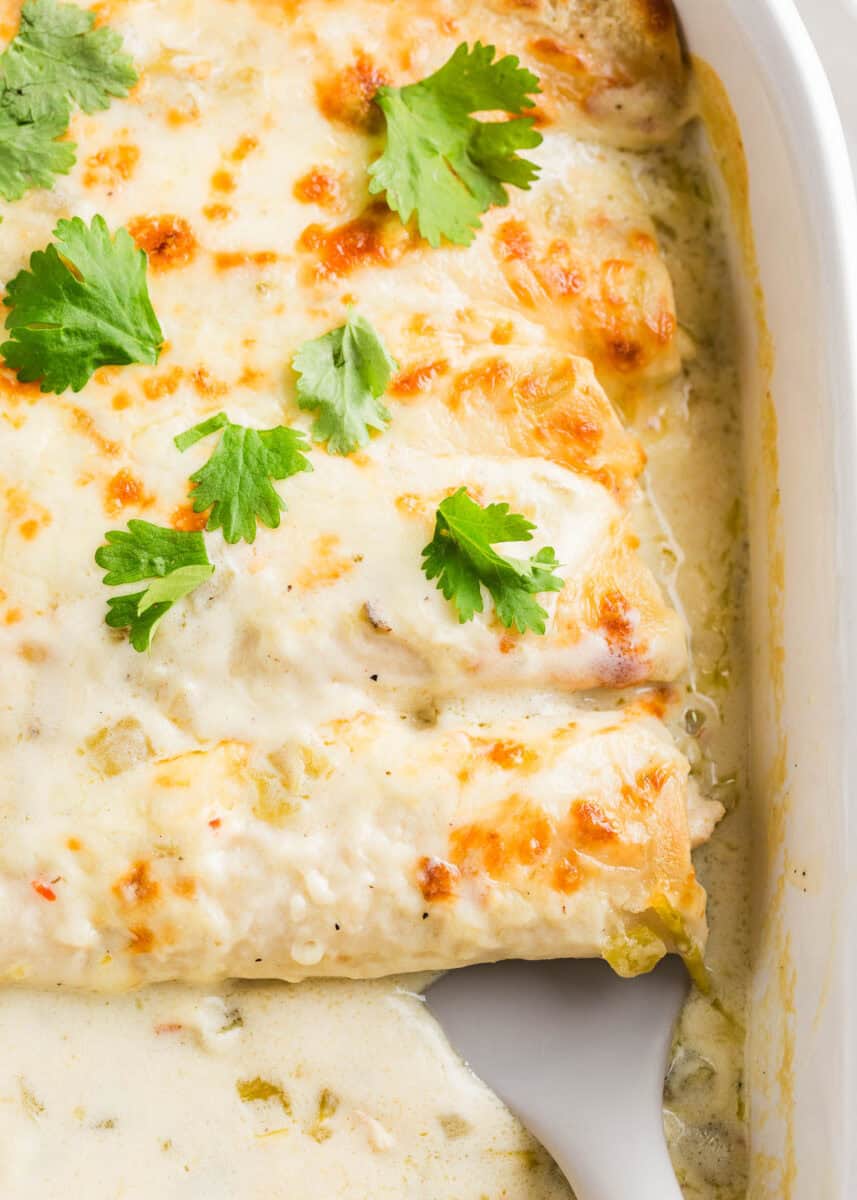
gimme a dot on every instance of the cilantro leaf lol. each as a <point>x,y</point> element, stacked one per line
<point>175,586</point>
<point>176,562</point>
<point>235,483</point>
<point>344,374</point>
<point>123,613</point>
<point>30,156</point>
<point>462,559</point>
<point>57,56</point>
<point>442,163</point>
<point>147,551</point>
<point>141,612</point>
<point>82,304</point>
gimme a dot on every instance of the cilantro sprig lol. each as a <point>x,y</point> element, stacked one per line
<point>82,304</point>
<point>439,160</point>
<point>462,558</point>
<point>235,483</point>
<point>56,59</point>
<point>175,563</point>
<point>343,376</point>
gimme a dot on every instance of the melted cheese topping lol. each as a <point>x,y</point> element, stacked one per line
<point>364,846</point>
<point>243,175</point>
<point>331,605</point>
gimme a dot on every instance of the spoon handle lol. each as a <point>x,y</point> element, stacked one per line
<point>579,1056</point>
<point>611,1161</point>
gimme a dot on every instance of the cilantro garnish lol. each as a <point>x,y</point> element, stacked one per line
<point>462,559</point>
<point>57,56</point>
<point>54,60</point>
<point>176,563</point>
<point>235,483</point>
<point>82,304</point>
<point>343,375</point>
<point>30,156</point>
<point>442,163</point>
<point>141,612</point>
<point>148,551</point>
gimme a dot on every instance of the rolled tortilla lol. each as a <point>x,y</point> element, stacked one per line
<point>336,598</point>
<point>612,69</point>
<point>521,403</point>
<point>366,847</point>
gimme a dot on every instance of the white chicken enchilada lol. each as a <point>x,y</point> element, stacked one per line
<point>342,632</point>
<point>215,864</point>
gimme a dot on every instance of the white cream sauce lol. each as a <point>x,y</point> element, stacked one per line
<point>250,1092</point>
<point>693,511</point>
<point>349,1089</point>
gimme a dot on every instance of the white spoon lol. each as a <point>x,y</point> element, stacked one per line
<point>579,1056</point>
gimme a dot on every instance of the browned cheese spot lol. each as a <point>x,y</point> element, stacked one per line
<point>125,490</point>
<point>437,879</point>
<point>168,240</point>
<point>615,624</point>
<point>142,940</point>
<point>185,519</point>
<point>223,181</point>
<point>184,113</point>
<point>217,212</point>
<point>205,385</point>
<point>418,379</point>
<point>345,96</point>
<point>14,391</point>
<point>514,240</point>
<point>136,887</point>
<point>511,755</point>
<point>327,564</point>
<point>245,145</point>
<point>111,166</point>
<point>29,529</point>
<point>518,834</point>
<point>594,827</point>
<point>322,186</point>
<point>649,783</point>
<point>229,260</point>
<point>33,652</point>
<point>371,239</point>
<point>166,383</point>
<point>83,422</point>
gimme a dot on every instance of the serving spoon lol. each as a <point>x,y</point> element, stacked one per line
<point>579,1056</point>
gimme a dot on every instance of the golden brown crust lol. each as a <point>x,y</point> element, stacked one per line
<point>604,282</point>
<point>531,403</point>
<point>620,601</point>
<point>618,64</point>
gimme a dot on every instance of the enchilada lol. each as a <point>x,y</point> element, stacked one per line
<point>358,847</point>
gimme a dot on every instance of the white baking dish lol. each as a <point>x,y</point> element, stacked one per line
<point>802,1062</point>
